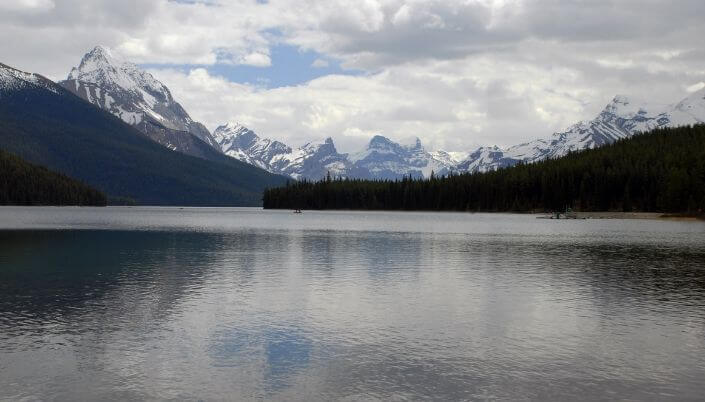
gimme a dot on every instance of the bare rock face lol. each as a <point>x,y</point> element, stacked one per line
<point>136,97</point>
<point>385,159</point>
<point>381,159</point>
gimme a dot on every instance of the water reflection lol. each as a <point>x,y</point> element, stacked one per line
<point>56,275</point>
<point>306,314</point>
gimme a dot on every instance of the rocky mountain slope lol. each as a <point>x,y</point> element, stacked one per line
<point>381,159</point>
<point>386,159</point>
<point>621,118</point>
<point>137,98</point>
<point>13,80</point>
<point>46,124</point>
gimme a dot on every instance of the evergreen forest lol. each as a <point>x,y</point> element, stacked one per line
<point>22,183</point>
<point>659,171</point>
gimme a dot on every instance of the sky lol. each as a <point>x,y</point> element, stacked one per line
<point>455,73</point>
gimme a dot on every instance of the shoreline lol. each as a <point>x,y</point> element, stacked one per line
<point>579,215</point>
<point>538,214</point>
<point>638,215</point>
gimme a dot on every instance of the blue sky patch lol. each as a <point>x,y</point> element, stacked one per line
<point>290,66</point>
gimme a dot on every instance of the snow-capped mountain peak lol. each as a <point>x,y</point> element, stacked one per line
<point>692,106</point>
<point>621,118</point>
<point>98,59</point>
<point>322,148</point>
<point>383,158</point>
<point>417,145</point>
<point>629,108</point>
<point>327,142</point>
<point>381,143</point>
<point>230,130</point>
<point>101,67</point>
<point>313,160</point>
<point>239,142</point>
<point>135,96</point>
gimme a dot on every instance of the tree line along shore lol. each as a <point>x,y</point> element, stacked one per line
<point>659,171</point>
<point>23,183</point>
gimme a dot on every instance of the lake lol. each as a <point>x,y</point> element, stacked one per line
<point>240,304</point>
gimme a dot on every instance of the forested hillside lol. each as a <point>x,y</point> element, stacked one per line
<point>22,183</point>
<point>660,171</point>
<point>45,124</point>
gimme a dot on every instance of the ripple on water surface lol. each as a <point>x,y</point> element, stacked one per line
<point>144,303</point>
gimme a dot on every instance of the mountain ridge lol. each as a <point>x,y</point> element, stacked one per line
<point>142,101</point>
<point>386,159</point>
<point>139,99</point>
<point>46,124</point>
<point>658,171</point>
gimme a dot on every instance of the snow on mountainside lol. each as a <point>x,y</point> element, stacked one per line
<point>690,109</point>
<point>243,144</point>
<point>313,160</point>
<point>12,79</point>
<point>381,159</point>
<point>136,97</point>
<point>621,118</point>
<point>385,159</point>
<point>484,159</point>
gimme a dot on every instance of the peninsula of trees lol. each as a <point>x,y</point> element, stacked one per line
<point>22,183</point>
<point>659,171</point>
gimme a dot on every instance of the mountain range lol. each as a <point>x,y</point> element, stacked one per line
<point>386,159</point>
<point>621,118</point>
<point>137,98</point>
<point>145,107</point>
<point>381,159</point>
<point>46,124</point>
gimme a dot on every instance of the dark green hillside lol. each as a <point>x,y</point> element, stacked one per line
<point>661,171</point>
<point>23,183</point>
<point>71,136</point>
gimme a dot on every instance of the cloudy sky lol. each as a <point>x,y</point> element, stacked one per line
<point>457,74</point>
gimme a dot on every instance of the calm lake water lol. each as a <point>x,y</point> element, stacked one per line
<point>214,304</point>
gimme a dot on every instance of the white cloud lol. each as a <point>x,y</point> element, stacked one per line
<point>449,112</point>
<point>319,63</point>
<point>27,5</point>
<point>454,72</point>
<point>256,59</point>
